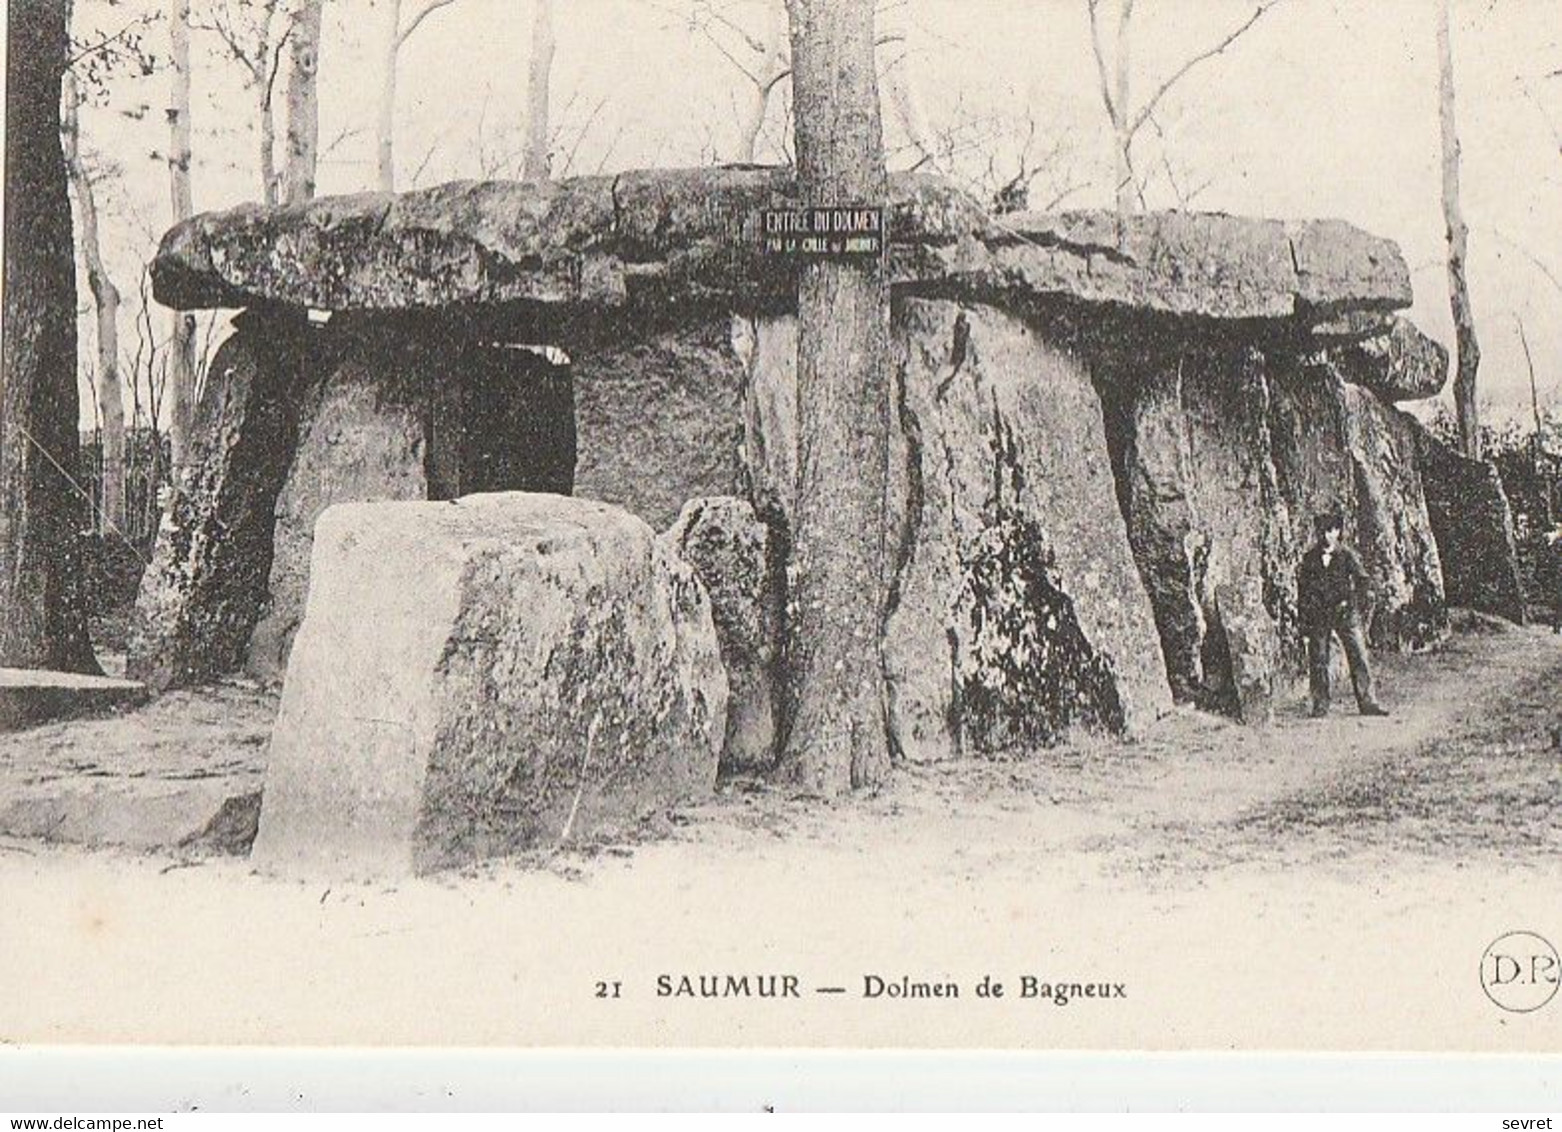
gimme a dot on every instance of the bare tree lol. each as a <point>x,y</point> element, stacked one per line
<point>247,30</point>
<point>303,102</point>
<point>44,623</point>
<point>1128,120</point>
<point>538,76</point>
<point>836,727</point>
<point>1467,346</point>
<point>181,378</point>
<point>396,35</point>
<point>109,394</point>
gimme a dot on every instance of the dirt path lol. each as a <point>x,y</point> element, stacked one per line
<point>1310,884</point>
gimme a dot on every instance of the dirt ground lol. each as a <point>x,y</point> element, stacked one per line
<point>1307,884</point>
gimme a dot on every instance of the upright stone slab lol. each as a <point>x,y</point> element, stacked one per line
<point>1473,525</point>
<point>735,558</point>
<point>1393,529</point>
<point>363,438</point>
<point>1016,610</point>
<point>657,414</point>
<point>1210,528</point>
<point>201,596</point>
<point>475,677</point>
<point>1338,447</point>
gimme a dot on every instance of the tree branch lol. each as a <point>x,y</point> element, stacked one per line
<point>1161,91</point>
<point>1102,71</point>
<point>428,9</point>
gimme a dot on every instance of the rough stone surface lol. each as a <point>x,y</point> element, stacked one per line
<point>1337,447</point>
<point>486,675</point>
<point>1210,529</point>
<point>693,234</point>
<point>1016,610</point>
<point>150,778</point>
<point>1473,525</point>
<point>202,593</point>
<point>602,241</point>
<point>731,552</point>
<point>363,438</point>
<point>1207,265</point>
<point>658,418</point>
<point>1400,365</point>
<point>1394,533</point>
<point>30,696</point>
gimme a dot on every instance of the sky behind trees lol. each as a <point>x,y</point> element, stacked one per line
<point>1323,108</point>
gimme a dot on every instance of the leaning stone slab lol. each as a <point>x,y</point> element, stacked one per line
<point>202,593</point>
<point>33,695</point>
<point>486,675</point>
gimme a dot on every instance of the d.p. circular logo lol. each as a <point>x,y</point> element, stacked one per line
<point>1520,971</point>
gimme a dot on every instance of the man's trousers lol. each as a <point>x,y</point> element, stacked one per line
<point>1354,641</point>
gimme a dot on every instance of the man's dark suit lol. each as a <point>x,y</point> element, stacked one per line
<point>1331,587</point>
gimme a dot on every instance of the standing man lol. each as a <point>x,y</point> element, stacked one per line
<point>1331,590</point>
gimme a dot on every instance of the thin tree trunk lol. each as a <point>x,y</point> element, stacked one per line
<point>836,734</point>
<point>42,615</point>
<point>1126,188</point>
<point>1468,348</point>
<point>386,123</point>
<point>771,68</point>
<point>266,132</point>
<point>535,164</point>
<point>303,103</point>
<point>105,299</point>
<point>181,356</point>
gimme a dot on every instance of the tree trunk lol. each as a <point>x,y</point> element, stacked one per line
<point>1127,190</point>
<point>303,103</point>
<point>773,64</point>
<point>836,733</point>
<point>1468,348</point>
<point>42,616</point>
<point>105,299</point>
<point>181,356</point>
<point>535,164</point>
<point>266,133</point>
<point>385,148</point>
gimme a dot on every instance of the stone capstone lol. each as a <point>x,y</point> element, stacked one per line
<point>202,594</point>
<point>693,235</point>
<point>490,674</point>
<point>1401,365</point>
<point>735,558</point>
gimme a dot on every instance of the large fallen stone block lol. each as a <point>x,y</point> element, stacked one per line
<point>30,695</point>
<point>202,594</point>
<point>486,675</point>
<point>1473,525</point>
<point>733,554</point>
